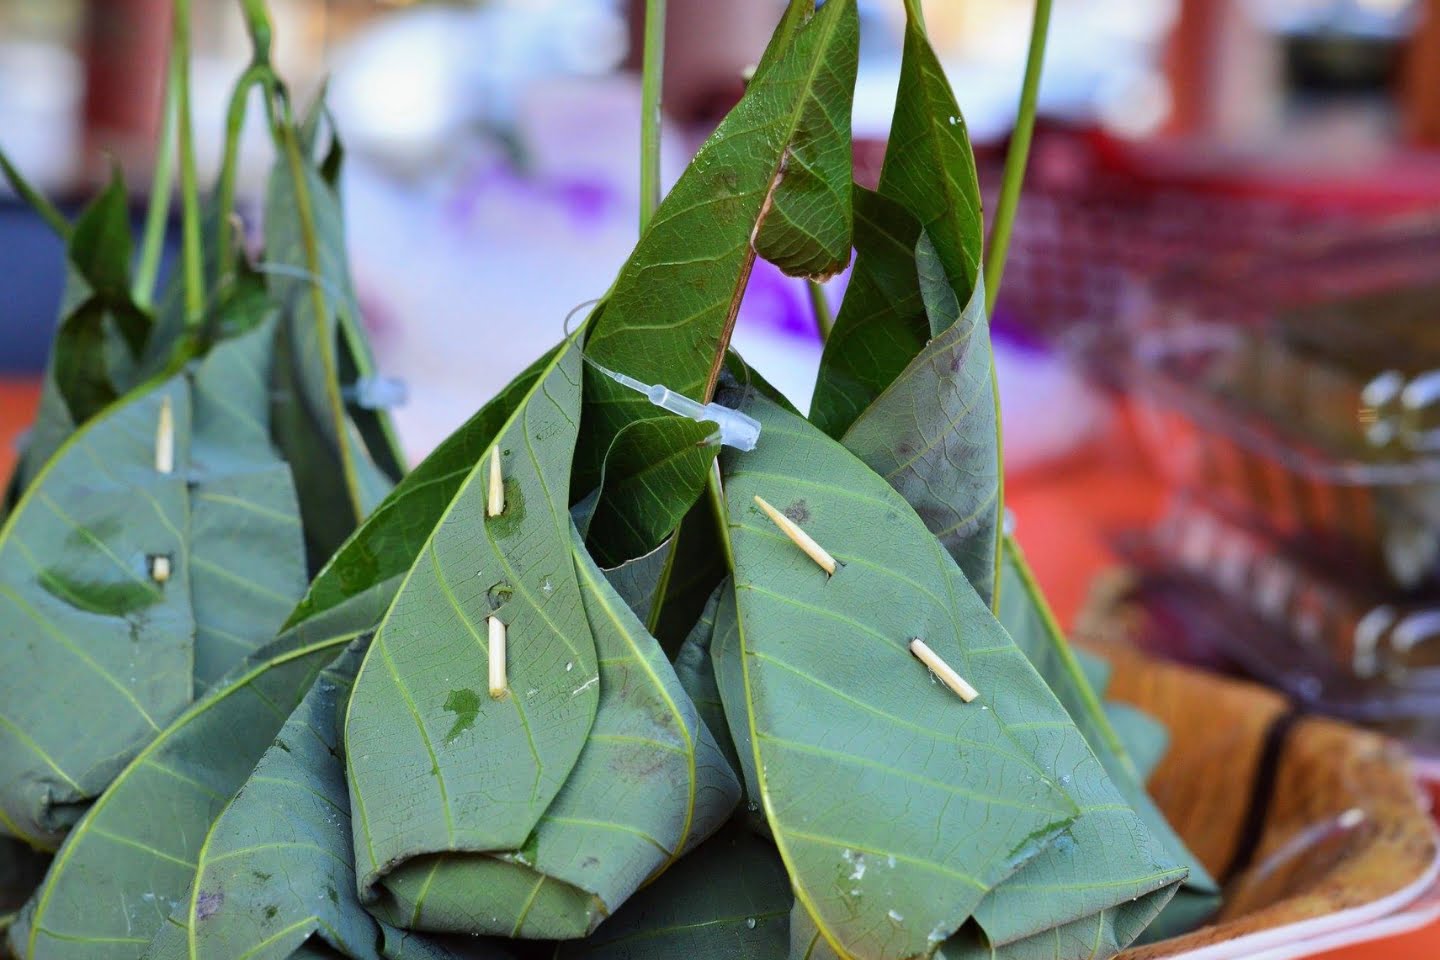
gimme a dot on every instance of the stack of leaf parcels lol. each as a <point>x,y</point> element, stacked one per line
<point>703,743</point>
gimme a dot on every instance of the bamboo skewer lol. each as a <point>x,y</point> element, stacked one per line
<point>499,685</point>
<point>164,463</point>
<point>802,539</point>
<point>165,439</point>
<point>943,670</point>
<point>495,504</point>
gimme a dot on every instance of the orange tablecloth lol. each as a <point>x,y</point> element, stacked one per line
<point>1060,513</point>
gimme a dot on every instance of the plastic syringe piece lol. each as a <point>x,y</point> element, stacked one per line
<point>737,429</point>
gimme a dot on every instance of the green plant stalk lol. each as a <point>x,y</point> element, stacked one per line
<point>1016,157</point>
<point>259,73</point>
<point>651,80</point>
<point>1071,665</point>
<point>191,254</point>
<point>824,316</point>
<point>158,212</point>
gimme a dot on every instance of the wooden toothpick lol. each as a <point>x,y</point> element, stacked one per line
<point>943,670</point>
<point>499,685</point>
<point>495,505</point>
<point>802,539</point>
<point>165,439</point>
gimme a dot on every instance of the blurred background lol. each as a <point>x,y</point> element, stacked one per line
<point>1218,342</point>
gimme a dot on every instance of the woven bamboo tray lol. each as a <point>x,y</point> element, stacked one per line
<point>1319,831</point>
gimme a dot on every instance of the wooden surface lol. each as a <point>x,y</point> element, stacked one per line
<point>1062,514</point>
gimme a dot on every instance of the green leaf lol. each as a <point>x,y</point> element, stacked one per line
<point>1026,616</point>
<point>132,856</point>
<point>101,332</point>
<point>1145,739</point>
<point>638,581</point>
<point>728,668</point>
<point>104,330</point>
<point>247,551</point>
<point>882,324</point>
<point>643,498</point>
<point>275,873</point>
<point>929,166</point>
<point>1096,669</point>
<point>959,795</point>
<point>435,763</point>
<point>774,175</point>
<point>927,423</point>
<point>649,785</point>
<point>729,900</point>
<point>384,548</point>
<point>340,478</point>
<point>83,620</point>
<point>76,578</point>
<point>1089,938</point>
<point>696,671</point>
<point>932,435</point>
<point>694,567</point>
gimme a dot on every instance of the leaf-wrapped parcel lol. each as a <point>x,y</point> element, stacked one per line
<point>159,547</point>
<point>155,536</point>
<point>536,813</point>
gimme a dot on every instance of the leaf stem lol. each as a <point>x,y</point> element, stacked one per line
<point>258,73</point>
<point>158,212</point>
<point>820,306</point>
<point>1017,156</point>
<point>715,491</point>
<point>1066,654</point>
<point>651,80</point>
<point>191,253</point>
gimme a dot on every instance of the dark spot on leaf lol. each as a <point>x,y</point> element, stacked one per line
<point>499,594</point>
<point>270,912</point>
<point>513,516</point>
<point>260,875</point>
<point>465,704</point>
<point>208,903</point>
<point>590,863</point>
<point>107,597</point>
<point>332,894</point>
<point>282,744</point>
<point>799,511</point>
